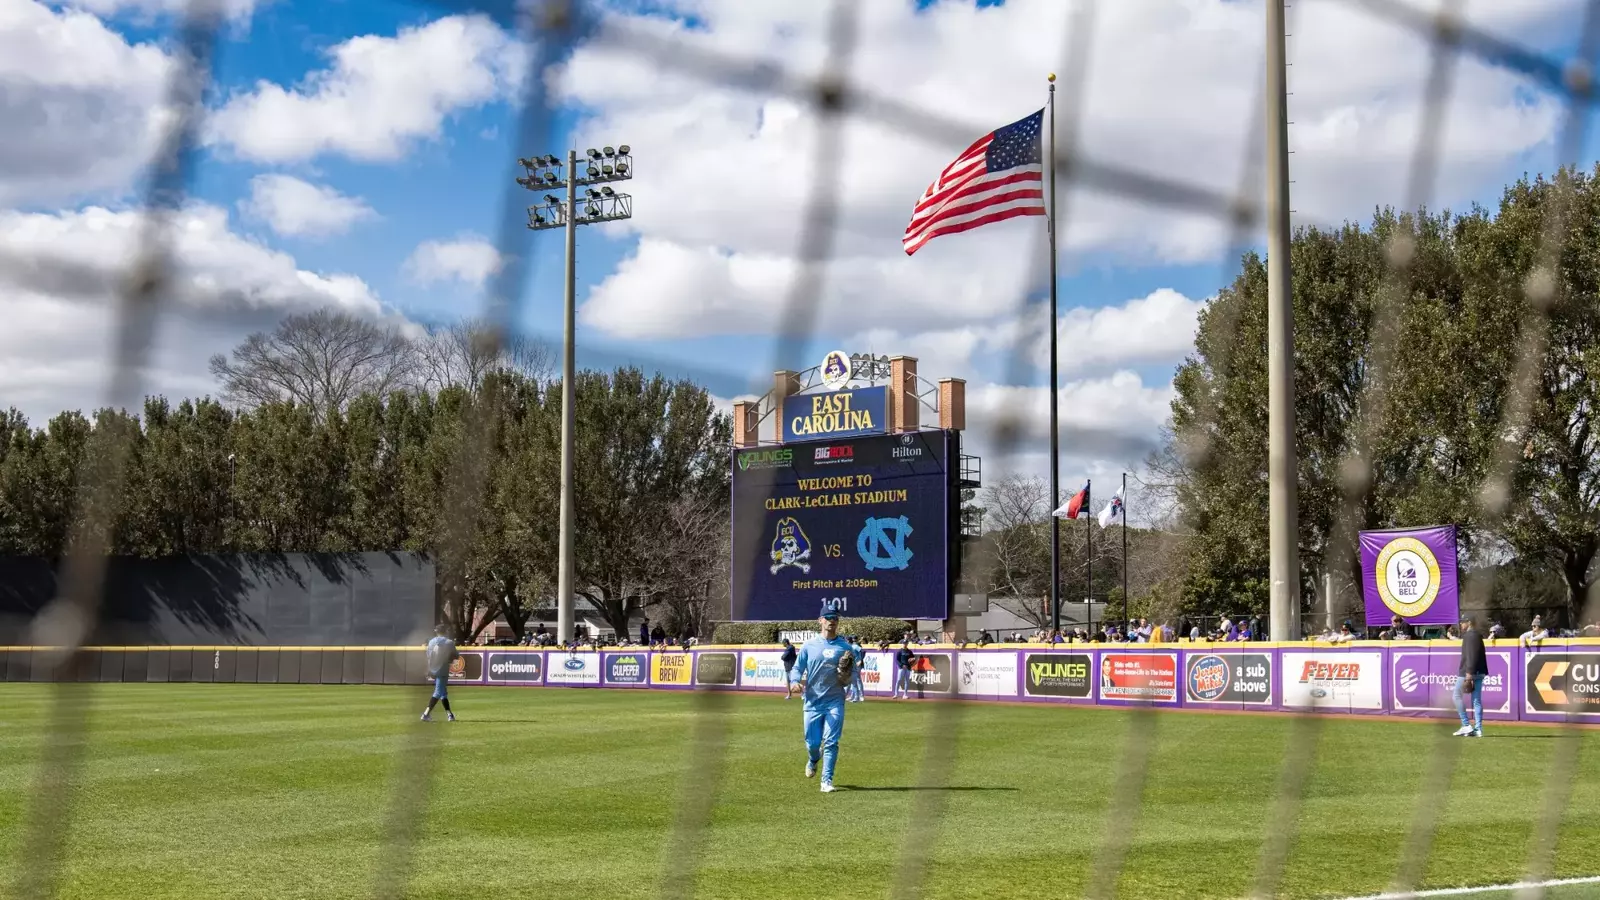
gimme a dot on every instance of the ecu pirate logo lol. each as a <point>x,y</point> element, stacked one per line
<point>790,547</point>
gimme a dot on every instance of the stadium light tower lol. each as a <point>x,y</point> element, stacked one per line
<point>599,203</point>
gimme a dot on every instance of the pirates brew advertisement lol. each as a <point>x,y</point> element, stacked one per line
<point>859,526</point>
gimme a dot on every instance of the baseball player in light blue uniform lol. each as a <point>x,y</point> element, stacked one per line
<point>857,691</point>
<point>816,674</point>
<point>441,653</point>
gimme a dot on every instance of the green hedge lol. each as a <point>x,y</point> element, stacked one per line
<point>870,629</point>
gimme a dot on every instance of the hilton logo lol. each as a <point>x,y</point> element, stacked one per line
<point>908,448</point>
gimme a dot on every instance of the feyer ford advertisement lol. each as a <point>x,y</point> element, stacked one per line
<point>988,674</point>
<point>1228,678</point>
<point>626,668</point>
<point>1337,681</point>
<point>1151,677</point>
<point>762,670</point>
<point>572,668</point>
<point>516,668</point>
<point>1426,680</point>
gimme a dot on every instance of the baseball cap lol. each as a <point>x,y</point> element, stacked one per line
<point>829,612</point>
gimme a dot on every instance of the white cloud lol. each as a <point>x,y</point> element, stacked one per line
<point>59,274</point>
<point>378,96</point>
<point>725,177</point>
<point>82,107</point>
<point>292,207</point>
<point>468,259</point>
<point>234,10</point>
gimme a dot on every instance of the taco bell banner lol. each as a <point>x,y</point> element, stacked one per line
<point>1410,573</point>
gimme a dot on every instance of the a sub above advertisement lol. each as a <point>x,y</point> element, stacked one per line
<point>931,674</point>
<point>1427,680</point>
<point>572,668</point>
<point>762,669</point>
<point>1144,677</point>
<point>1228,678</point>
<point>716,669</point>
<point>469,667</point>
<point>516,668</point>
<point>1058,675</point>
<point>674,669</point>
<point>1333,681</point>
<point>627,668</point>
<point>987,674</point>
<point>877,672</point>
<point>1564,683</point>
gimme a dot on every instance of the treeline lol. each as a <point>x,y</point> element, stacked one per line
<point>1408,337</point>
<point>469,474</point>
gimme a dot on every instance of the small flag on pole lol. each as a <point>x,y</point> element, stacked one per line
<point>1075,507</point>
<point>1000,177</point>
<point>1113,511</point>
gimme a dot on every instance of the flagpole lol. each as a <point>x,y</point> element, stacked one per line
<point>1055,432</point>
<point>1124,496</point>
<point>1088,543</point>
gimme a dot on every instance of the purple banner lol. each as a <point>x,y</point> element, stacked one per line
<point>1425,682</point>
<point>1410,573</point>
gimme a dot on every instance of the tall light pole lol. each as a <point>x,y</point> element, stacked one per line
<point>1283,472</point>
<point>599,204</point>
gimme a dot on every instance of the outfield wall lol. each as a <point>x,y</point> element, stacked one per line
<point>1557,681</point>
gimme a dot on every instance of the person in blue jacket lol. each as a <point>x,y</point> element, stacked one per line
<point>857,690</point>
<point>816,675</point>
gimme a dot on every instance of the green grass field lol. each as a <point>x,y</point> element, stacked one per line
<point>277,791</point>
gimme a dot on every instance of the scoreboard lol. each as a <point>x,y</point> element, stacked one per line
<point>862,525</point>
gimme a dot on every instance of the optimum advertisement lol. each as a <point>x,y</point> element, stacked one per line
<point>762,670</point>
<point>1564,683</point>
<point>1427,680</point>
<point>1147,677</point>
<point>626,668</point>
<point>1228,678</point>
<point>860,526</point>
<point>1058,675</point>
<point>516,668</point>
<point>572,668</point>
<point>1343,681</point>
<point>987,674</point>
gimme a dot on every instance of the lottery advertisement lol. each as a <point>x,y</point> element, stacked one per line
<point>762,670</point>
<point>861,526</point>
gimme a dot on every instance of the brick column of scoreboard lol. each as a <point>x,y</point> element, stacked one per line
<point>903,394</point>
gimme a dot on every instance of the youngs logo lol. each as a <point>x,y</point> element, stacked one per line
<point>765,459</point>
<point>1058,675</point>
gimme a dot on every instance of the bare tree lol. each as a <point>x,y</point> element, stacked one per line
<point>1016,564</point>
<point>465,352</point>
<point>690,547</point>
<point>321,360</point>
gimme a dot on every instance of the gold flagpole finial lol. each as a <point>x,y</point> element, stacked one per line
<point>1051,78</point>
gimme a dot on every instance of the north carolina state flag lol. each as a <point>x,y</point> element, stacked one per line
<point>1077,506</point>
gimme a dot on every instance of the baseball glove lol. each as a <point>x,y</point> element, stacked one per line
<point>847,668</point>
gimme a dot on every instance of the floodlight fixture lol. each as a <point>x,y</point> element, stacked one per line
<point>593,210</point>
<point>607,191</point>
<point>609,151</point>
<point>594,171</point>
<point>622,168</point>
<point>538,218</point>
<point>551,160</point>
<point>551,199</point>
<point>550,178</point>
<point>623,150</point>
<point>593,153</point>
<point>606,169</point>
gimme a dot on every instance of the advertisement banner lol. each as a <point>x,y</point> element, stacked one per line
<point>877,672</point>
<point>1410,573</point>
<point>1058,675</point>
<point>987,674</point>
<point>1426,680</point>
<point>762,670</point>
<point>1145,677</point>
<point>860,525</point>
<point>1231,678</point>
<point>467,668</point>
<point>670,669</point>
<point>931,674</point>
<point>572,668</point>
<point>835,414</point>
<point>516,668</point>
<point>626,669</point>
<point>1564,682</point>
<point>716,669</point>
<point>1340,682</point>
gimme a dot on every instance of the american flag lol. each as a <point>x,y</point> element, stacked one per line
<point>1000,177</point>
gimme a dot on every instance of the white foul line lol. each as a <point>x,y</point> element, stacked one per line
<point>1468,891</point>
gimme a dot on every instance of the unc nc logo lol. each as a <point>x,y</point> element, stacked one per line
<point>881,551</point>
<point>790,547</point>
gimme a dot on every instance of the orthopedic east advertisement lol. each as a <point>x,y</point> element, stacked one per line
<point>1332,681</point>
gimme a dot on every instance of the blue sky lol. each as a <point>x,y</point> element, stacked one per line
<point>405,117</point>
